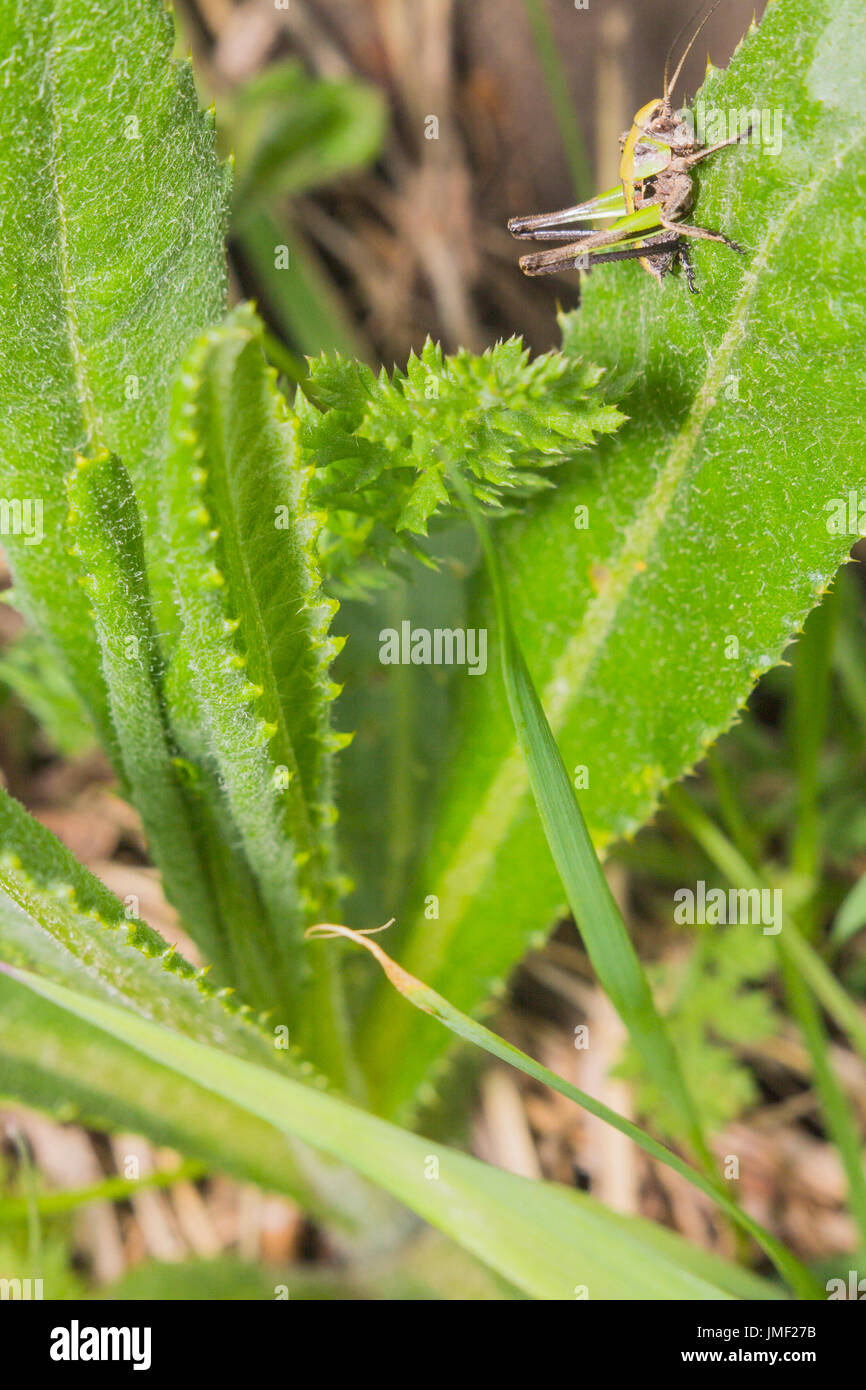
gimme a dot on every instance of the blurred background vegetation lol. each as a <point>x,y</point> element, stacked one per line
<point>382,145</point>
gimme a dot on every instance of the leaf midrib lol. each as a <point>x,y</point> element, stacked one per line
<point>300,821</point>
<point>475,855</point>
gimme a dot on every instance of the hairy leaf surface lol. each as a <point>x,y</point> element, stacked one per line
<point>546,1239</point>
<point>111,259</point>
<point>254,626</point>
<point>709,535</point>
<point>74,1072</point>
<point>104,527</point>
<point>57,918</point>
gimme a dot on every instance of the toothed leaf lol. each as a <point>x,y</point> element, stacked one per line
<point>378,444</point>
<point>58,919</point>
<point>255,624</point>
<point>541,1236</point>
<point>712,524</point>
<point>105,531</point>
<point>113,214</point>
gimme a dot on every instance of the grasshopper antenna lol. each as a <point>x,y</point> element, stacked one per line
<point>669,86</point>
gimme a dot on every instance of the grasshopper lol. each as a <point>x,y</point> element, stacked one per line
<point>655,193</point>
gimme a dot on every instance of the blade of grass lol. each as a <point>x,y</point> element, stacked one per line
<point>602,928</point>
<point>812,666</point>
<point>293,368</point>
<point>300,300</point>
<point>831,993</point>
<point>838,1003</point>
<point>556,82</point>
<point>729,805</point>
<point>838,1113</point>
<point>426,999</point>
<point>113,1189</point>
<point>546,1239</point>
<point>29,1202</point>
<point>848,656</point>
<point>794,953</point>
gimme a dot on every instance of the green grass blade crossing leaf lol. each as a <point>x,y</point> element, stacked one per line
<point>471,1031</point>
<point>58,919</point>
<point>602,928</point>
<point>548,1241</point>
<point>672,564</point>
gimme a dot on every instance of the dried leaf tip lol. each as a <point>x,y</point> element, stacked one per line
<point>400,978</point>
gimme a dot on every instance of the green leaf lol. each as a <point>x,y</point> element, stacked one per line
<point>613,956</point>
<point>851,917</point>
<point>429,1002</point>
<point>57,918</point>
<point>547,1240</point>
<point>292,132</point>
<point>402,716</point>
<point>112,260</point>
<point>181,804</point>
<point>105,529</point>
<point>29,669</point>
<point>60,1065</point>
<point>255,644</point>
<point>110,267</point>
<point>379,444</point>
<point>707,520</point>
